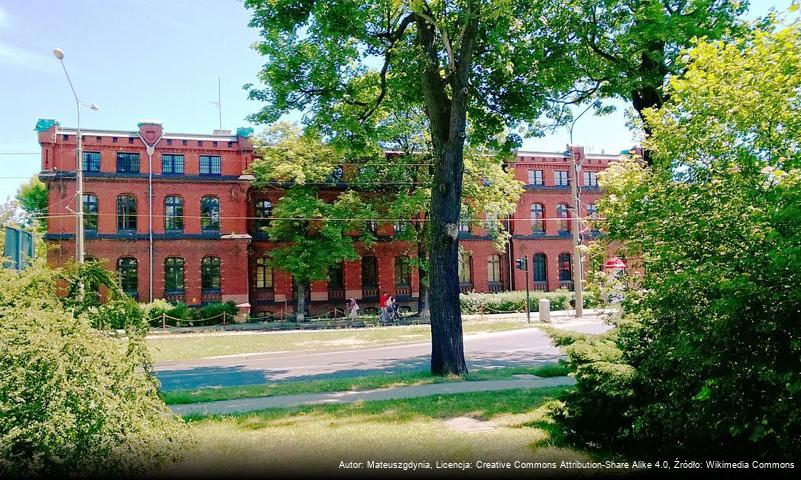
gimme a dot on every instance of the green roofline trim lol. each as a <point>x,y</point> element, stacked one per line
<point>44,124</point>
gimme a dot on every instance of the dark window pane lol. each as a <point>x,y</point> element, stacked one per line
<point>565,267</point>
<point>369,272</point>
<point>264,210</point>
<point>539,267</point>
<point>127,162</point>
<point>210,273</point>
<point>174,276</point>
<point>127,272</point>
<point>90,209</point>
<point>336,276</point>
<point>126,212</point>
<point>91,161</point>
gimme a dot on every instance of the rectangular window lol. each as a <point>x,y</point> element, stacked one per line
<point>264,274</point>
<point>91,161</point>
<point>494,269</point>
<point>210,165</point>
<point>89,212</point>
<point>535,177</point>
<point>560,178</point>
<point>591,179</point>
<point>172,164</point>
<point>127,162</point>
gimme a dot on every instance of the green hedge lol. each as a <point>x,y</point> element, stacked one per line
<point>182,315</point>
<point>508,302</point>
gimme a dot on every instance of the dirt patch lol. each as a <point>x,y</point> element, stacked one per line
<point>470,425</point>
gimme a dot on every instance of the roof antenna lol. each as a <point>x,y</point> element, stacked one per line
<point>218,102</point>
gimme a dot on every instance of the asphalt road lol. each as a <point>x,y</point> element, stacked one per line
<point>524,347</point>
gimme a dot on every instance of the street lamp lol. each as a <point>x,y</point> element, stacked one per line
<point>79,252</point>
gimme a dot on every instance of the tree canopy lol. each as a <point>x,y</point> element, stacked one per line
<point>477,69</point>
<point>32,198</point>
<point>706,358</point>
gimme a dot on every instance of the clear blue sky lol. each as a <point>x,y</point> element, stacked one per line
<point>151,59</point>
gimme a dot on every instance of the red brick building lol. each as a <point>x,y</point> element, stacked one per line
<point>197,238</point>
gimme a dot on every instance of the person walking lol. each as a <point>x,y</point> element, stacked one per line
<point>353,309</point>
<point>382,304</point>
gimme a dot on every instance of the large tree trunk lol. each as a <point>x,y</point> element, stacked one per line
<point>652,72</point>
<point>300,313</point>
<point>447,117</point>
<point>447,346</point>
<point>423,309</point>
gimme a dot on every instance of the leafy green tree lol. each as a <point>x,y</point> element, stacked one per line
<point>483,60</point>
<point>706,358</point>
<point>629,49</point>
<point>32,198</point>
<point>314,233</point>
<point>74,399</point>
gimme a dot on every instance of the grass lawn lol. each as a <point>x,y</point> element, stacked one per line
<point>193,346</point>
<point>514,425</point>
<point>175,397</point>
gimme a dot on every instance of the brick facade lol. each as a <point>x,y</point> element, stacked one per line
<point>238,244</point>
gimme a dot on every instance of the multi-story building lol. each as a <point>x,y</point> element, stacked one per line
<point>177,217</point>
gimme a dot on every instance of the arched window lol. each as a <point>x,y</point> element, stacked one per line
<point>264,210</point>
<point>129,278</point>
<point>264,274</point>
<point>565,267</point>
<point>494,268</point>
<point>210,213</point>
<point>537,218</point>
<point>174,276</point>
<point>563,213</point>
<point>173,213</point>
<point>210,273</point>
<point>126,212</point>
<point>90,209</point>
<point>465,268</point>
<point>403,272</point>
<point>540,267</point>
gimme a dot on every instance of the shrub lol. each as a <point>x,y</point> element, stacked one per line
<point>211,314</point>
<point>75,400</point>
<point>508,302</point>
<point>706,361</point>
<point>174,314</point>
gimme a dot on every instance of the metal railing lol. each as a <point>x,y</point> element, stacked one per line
<point>175,297</point>
<point>210,296</point>
<point>495,287</point>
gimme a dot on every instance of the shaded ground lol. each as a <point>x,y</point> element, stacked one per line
<point>261,403</point>
<point>508,426</point>
<point>523,347</point>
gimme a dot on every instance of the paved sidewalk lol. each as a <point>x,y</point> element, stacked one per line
<point>260,403</point>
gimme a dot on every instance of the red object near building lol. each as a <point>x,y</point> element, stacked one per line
<point>615,263</point>
<point>207,219</point>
